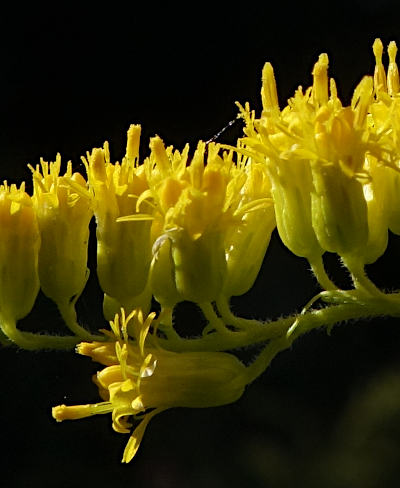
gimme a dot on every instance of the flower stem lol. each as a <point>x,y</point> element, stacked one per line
<point>215,323</point>
<point>231,319</point>
<point>360,278</point>
<point>31,341</point>
<point>327,317</point>
<point>318,268</point>
<point>388,305</point>
<point>68,313</point>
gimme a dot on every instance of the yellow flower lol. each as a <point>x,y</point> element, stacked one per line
<point>204,222</point>
<point>123,248</point>
<point>19,248</point>
<point>385,122</point>
<point>141,380</point>
<point>247,242</point>
<point>291,182</point>
<point>194,206</point>
<point>317,153</point>
<point>376,194</point>
<point>63,208</point>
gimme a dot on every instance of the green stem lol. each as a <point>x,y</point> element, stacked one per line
<point>231,319</point>
<point>214,322</point>
<point>317,318</point>
<point>264,359</point>
<point>328,316</point>
<point>165,324</point>
<point>360,278</point>
<point>31,341</point>
<point>68,313</point>
<point>318,268</point>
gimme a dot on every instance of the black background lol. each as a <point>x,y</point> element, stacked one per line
<point>327,412</point>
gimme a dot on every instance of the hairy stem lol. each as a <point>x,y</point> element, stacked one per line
<point>31,341</point>
<point>389,305</point>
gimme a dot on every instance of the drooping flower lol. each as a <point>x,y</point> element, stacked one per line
<point>141,379</point>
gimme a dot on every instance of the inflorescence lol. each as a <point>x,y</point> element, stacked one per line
<point>184,226</point>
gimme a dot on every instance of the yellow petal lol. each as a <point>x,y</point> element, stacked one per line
<point>137,436</point>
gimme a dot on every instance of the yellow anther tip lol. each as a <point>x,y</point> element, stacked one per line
<point>62,412</point>
<point>268,93</point>
<point>156,142</point>
<point>332,88</point>
<point>98,163</point>
<point>392,51</point>
<point>158,149</point>
<point>58,412</point>
<point>323,60</point>
<point>321,66</point>
<point>377,48</point>
<point>320,75</point>
<point>134,128</point>
<point>132,147</point>
<point>267,72</point>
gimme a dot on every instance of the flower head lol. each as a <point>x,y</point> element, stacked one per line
<point>384,120</point>
<point>246,243</point>
<point>193,208</point>
<point>19,248</point>
<point>63,208</point>
<point>319,156</point>
<point>291,183</point>
<point>199,205</point>
<point>140,379</point>
<point>123,248</point>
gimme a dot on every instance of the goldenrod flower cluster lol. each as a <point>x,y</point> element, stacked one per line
<point>195,226</point>
<point>333,168</point>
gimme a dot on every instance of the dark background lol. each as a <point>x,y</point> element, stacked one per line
<point>327,412</point>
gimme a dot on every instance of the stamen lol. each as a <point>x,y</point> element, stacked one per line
<point>132,145</point>
<point>62,412</point>
<point>379,73</point>
<point>269,94</point>
<point>361,101</point>
<point>98,164</point>
<point>158,149</point>
<point>320,84</point>
<point>333,89</point>
<point>393,71</point>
